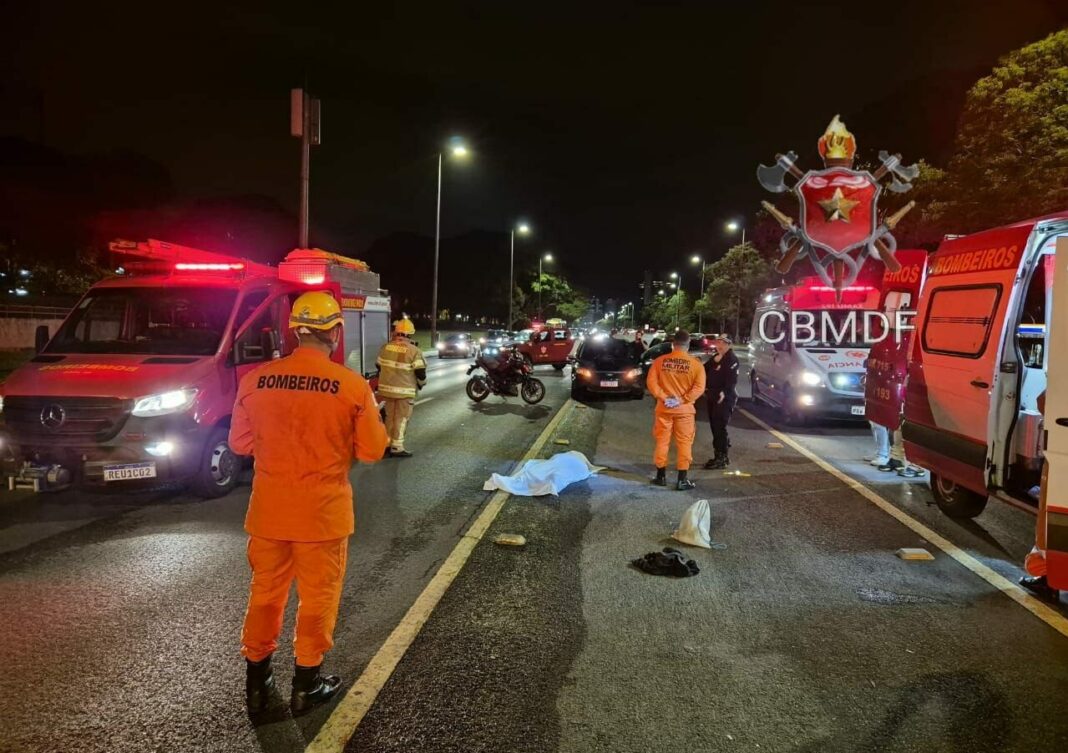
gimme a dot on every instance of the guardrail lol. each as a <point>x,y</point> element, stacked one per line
<point>33,312</point>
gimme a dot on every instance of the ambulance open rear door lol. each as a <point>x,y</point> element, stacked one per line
<point>1056,423</point>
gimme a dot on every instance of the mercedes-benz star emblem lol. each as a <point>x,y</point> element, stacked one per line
<point>53,416</point>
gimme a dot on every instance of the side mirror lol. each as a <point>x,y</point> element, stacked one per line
<point>40,338</point>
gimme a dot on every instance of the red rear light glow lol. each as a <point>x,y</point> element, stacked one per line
<point>851,288</point>
<point>188,267</point>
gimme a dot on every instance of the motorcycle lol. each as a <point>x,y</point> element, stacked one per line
<point>505,374</point>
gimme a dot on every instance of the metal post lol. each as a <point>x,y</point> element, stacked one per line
<point>437,247</point>
<point>701,297</point>
<point>305,169</point>
<point>511,279</point>
<point>678,300</point>
<point>539,288</point>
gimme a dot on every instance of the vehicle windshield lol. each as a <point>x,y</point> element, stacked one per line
<point>495,333</point>
<point>607,350</point>
<point>455,338</point>
<point>156,321</point>
<point>834,328</point>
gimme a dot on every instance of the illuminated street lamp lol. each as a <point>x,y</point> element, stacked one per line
<point>733,227</point>
<point>523,229</point>
<point>458,150</point>
<point>543,257</point>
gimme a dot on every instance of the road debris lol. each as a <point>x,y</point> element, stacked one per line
<point>739,474</point>
<point>695,527</point>
<point>561,441</point>
<point>670,562</point>
<point>914,554</point>
<point>510,539</point>
<point>774,445</point>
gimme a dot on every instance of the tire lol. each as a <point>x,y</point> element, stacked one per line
<point>219,468</point>
<point>532,391</point>
<point>577,393</point>
<point>477,389</point>
<point>954,500</point>
<point>559,366</point>
<point>790,414</point>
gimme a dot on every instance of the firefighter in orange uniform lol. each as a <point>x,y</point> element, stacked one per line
<point>401,374</point>
<point>676,380</point>
<point>304,418</point>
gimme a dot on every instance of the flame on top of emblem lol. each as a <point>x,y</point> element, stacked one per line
<point>837,142</point>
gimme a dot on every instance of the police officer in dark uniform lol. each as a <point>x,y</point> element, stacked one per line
<point>721,379</point>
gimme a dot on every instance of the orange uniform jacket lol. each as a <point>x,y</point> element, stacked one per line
<point>676,374</point>
<point>304,418</point>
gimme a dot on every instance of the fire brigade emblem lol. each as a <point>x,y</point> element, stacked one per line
<point>839,225</point>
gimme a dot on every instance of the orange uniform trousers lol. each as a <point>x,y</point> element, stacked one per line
<point>682,427</point>
<point>319,569</point>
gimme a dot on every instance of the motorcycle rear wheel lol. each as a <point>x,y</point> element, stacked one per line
<point>532,391</point>
<point>477,389</point>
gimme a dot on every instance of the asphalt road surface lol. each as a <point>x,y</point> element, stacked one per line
<point>120,630</point>
<point>803,632</point>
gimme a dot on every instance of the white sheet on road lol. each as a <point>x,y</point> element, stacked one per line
<point>540,477</point>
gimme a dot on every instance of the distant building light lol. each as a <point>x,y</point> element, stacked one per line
<point>21,292</point>
<point>120,271</point>
<point>24,272</point>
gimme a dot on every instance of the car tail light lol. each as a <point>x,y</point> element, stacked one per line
<point>585,373</point>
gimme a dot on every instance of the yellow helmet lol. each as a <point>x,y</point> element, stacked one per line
<point>404,326</point>
<point>316,310</point>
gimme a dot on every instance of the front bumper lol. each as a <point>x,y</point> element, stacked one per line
<point>829,404</point>
<point>86,460</point>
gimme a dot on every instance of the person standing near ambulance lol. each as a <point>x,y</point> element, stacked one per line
<point>401,374</point>
<point>676,380</point>
<point>721,395</point>
<point>304,419</point>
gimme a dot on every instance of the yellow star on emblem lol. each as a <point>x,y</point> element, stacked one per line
<point>838,206</point>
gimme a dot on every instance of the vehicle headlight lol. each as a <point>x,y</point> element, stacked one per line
<point>164,403</point>
<point>441,346</point>
<point>1,403</point>
<point>585,373</point>
<point>810,378</point>
<point>634,373</point>
<point>482,340</point>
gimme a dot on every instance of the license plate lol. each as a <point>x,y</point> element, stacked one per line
<point>857,410</point>
<point>610,384</point>
<point>129,472</point>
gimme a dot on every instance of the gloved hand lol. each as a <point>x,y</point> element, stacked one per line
<point>672,402</point>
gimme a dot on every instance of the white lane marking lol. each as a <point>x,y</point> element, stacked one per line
<point>1040,610</point>
<point>335,734</point>
<point>424,400</point>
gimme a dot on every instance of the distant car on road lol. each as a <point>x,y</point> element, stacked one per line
<point>457,346</point>
<point>700,348</point>
<point>606,366</point>
<point>497,337</point>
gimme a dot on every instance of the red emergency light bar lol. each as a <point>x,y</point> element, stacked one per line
<point>187,267</point>
<point>851,288</point>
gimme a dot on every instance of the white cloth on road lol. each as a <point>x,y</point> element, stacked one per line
<point>540,477</point>
<point>696,525</point>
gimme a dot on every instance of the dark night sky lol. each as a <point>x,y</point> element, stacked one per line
<point>627,133</point>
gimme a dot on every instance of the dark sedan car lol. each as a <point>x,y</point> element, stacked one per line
<point>605,366</point>
<point>457,346</point>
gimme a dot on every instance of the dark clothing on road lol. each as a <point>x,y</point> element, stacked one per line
<point>721,379</point>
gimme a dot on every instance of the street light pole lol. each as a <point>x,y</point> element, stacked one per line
<point>522,229</point>
<point>437,248</point>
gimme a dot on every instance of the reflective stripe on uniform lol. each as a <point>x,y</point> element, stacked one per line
<point>386,390</point>
<point>395,364</point>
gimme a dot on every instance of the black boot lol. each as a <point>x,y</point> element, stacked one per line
<point>311,688</point>
<point>259,681</point>
<point>1040,588</point>
<point>661,477</point>
<point>719,461</point>
<point>684,483</point>
<point>892,465</point>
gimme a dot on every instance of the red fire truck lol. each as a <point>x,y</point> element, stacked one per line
<point>137,386</point>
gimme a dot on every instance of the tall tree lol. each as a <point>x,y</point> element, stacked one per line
<point>733,284</point>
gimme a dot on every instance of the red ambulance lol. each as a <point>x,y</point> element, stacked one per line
<point>979,362</point>
<point>137,386</point>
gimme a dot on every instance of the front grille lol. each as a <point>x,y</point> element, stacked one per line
<point>43,419</point>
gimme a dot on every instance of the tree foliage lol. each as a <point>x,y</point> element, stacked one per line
<point>1010,155</point>
<point>733,284</point>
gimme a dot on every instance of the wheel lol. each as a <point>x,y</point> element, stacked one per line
<point>219,467</point>
<point>559,366</point>
<point>790,413</point>
<point>477,389</point>
<point>954,500</point>
<point>532,391</point>
<point>577,392</point>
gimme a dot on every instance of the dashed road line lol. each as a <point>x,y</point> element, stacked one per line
<point>424,400</point>
<point>1042,611</point>
<point>335,734</point>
